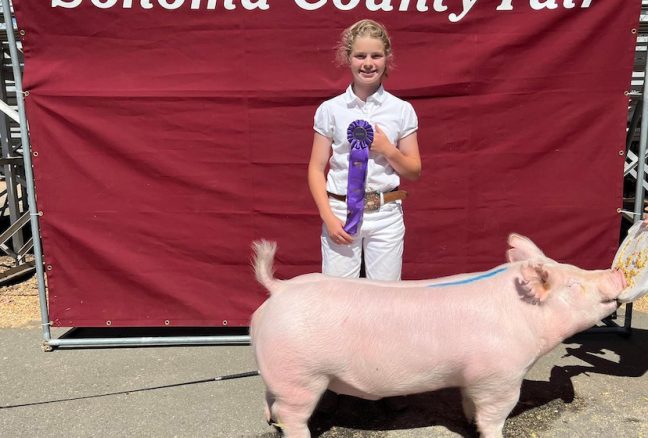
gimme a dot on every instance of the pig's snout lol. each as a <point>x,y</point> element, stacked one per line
<point>617,283</point>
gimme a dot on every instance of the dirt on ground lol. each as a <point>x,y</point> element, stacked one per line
<point>19,306</point>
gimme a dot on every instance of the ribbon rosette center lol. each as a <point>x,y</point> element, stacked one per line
<point>360,134</point>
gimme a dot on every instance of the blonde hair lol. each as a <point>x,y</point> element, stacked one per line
<point>363,28</point>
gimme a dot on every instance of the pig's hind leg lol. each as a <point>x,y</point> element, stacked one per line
<point>492,404</point>
<point>268,402</point>
<point>294,405</point>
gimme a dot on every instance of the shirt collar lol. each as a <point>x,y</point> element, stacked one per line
<point>378,97</point>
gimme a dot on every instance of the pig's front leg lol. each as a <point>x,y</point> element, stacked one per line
<point>493,401</point>
<point>468,406</point>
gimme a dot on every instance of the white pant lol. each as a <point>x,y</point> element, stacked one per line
<point>380,234</point>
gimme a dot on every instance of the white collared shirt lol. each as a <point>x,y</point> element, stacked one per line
<point>396,118</point>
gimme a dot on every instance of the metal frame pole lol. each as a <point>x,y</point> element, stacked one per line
<point>641,164</point>
<point>29,175</point>
<point>151,341</point>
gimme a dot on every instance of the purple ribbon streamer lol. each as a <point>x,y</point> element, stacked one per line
<point>360,135</point>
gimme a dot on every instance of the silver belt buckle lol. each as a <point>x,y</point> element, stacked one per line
<point>372,201</point>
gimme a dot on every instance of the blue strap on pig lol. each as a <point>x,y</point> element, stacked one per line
<point>470,279</point>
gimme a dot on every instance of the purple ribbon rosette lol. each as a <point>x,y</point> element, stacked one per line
<point>360,135</point>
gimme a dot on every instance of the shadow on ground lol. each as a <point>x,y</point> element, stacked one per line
<point>541,402</point>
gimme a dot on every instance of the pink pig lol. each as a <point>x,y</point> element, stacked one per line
<point>480,332</point>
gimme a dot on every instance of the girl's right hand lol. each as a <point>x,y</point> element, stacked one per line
<point>335,230</point>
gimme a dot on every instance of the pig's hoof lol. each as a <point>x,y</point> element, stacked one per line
<point>277,426</point>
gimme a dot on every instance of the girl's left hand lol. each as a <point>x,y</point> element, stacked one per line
<point>381,144</point>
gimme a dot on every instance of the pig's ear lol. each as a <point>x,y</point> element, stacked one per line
<point>532,284</point>
<point>522,248</point>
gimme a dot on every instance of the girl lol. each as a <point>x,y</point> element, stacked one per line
<point>365,48</point>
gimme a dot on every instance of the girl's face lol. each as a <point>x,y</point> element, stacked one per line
<point>367,61</point>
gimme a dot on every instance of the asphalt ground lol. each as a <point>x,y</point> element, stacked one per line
<point>593,385</point>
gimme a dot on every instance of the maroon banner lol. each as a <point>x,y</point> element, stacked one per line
<point>170,134</point>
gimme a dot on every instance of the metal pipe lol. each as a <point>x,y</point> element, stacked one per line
<point>29,175</point>
<point>609,329</point>
<point>641,164</point>
<point>628,316</point>
<point>639,192</point>
<point>151,340</point>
